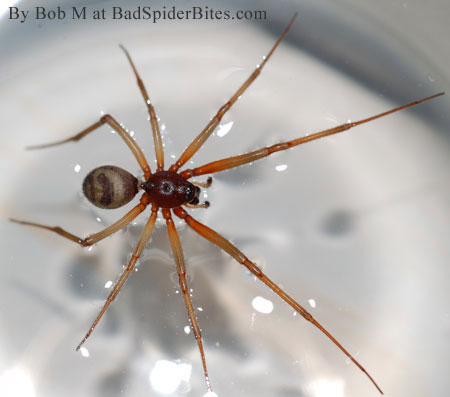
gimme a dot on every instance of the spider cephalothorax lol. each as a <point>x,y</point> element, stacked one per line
<point>168,189</point>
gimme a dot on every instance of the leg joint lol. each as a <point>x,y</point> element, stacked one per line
<point>105,118</point>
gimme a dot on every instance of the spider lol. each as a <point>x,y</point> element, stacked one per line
<point>170,191</point>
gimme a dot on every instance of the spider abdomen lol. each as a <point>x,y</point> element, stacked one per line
<point>167,189</point>
<point>109,187</point>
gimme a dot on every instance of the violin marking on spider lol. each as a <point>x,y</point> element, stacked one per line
<point>169,190</point>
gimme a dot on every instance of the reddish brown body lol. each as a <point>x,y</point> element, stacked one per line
<point>168,189</point>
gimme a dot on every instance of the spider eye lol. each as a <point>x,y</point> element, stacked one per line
<point>189,192</point>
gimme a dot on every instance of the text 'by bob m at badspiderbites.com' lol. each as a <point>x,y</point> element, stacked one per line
<point>145,13</point>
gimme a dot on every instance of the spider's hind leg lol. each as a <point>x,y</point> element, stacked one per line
<point>96,237</point>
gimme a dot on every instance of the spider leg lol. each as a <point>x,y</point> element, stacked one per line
<point>151,111</point>
<point>197,143</point>
<point>181,269</point>
<point>229,248</point>
<point>93,238</point>
<point>146,233</point>
<point>235,161</point>
<point>108,119</point>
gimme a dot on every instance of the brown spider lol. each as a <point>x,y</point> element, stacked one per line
<point>170,190</point>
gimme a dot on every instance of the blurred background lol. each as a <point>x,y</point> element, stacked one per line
<point>355,226</point>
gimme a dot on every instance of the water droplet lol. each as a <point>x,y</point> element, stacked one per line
<point>326,387</point>
<point>312,302</point>
<point>224,129</point>
<point>166,376</point>
<point>108,284</point>
<point>16,381</point>
<point>281,167</point>
<point>77,168</point>
<point>84,352</point>
<point>262,305</point>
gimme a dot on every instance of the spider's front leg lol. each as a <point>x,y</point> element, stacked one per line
<point>236,161</point>
<point>200,139</point>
